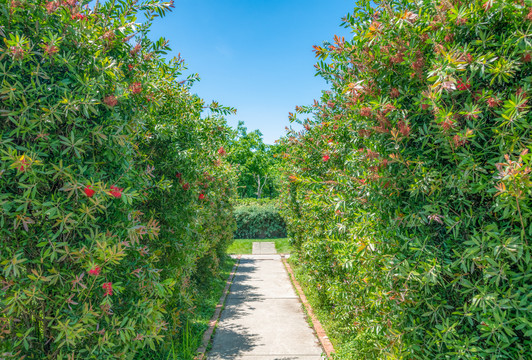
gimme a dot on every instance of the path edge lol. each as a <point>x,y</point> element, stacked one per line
<point>201,352</point>
<point>318,328</point>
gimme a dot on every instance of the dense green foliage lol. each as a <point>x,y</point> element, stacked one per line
<point>256,163</point>
<point>408,194</point>
<point>258,219</point>
<point>114,199</point>
<point>195,321</point>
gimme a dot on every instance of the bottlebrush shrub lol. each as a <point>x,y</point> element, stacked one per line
<point>408,194</point>
<point>100,240</point>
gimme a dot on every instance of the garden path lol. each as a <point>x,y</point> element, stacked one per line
<point>263,318</point>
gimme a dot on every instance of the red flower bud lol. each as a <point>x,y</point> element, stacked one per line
<point>116,192</point>
<point>95,271</point>
<point>326,157</point>
<point>461,86</point>
<point>89,191</point>
<point>201,196</point>
<point>108,287</point>
<point>186,186</point>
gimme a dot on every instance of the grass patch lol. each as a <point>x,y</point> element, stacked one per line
<point>184,345</point>
<point>245,246</point>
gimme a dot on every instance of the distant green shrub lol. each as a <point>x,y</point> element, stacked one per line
<point>258,219</point>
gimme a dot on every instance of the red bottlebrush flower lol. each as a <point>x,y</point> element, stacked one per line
<point>89,191</point>
<point>461,86</point>
<point>424,106</point>
<point>135,88</point>
<point>365,111</point>
<point>108,287</point>
<point>116,191</point>
<point>221,151</point>
<point>130,67</point>
<point>526,58</point>
<point>110,101</point>
<point>78,17</point>
<point>179,175</point>
<point>326,157</point>
<point>201,197</point>
<point>493,102</point>
<point>95,271</point>
<point>186,186</point>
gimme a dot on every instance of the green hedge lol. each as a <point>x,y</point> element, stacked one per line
<point>114,199</point>
<point>258,219</point>
<point>408,195</point>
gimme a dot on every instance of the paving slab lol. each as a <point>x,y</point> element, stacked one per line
<point>263,318</point>
<point>261,278</point>
<point>263,248</point>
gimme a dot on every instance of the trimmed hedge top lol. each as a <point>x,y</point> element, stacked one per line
<point>258,219</point>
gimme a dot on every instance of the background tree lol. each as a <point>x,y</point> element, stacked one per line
<point>257,166</point>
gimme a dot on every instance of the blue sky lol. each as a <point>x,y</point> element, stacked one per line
<point>254,55</point>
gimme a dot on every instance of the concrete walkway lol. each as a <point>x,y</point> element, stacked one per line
<point>262,319</point>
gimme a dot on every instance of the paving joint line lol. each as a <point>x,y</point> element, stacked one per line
<point>320,332</point>
<point>202,349</point>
